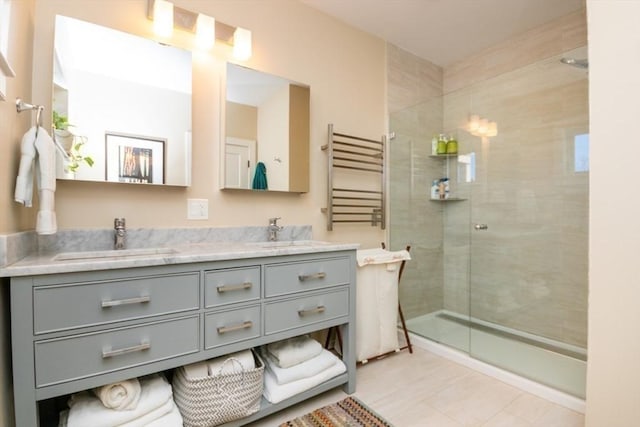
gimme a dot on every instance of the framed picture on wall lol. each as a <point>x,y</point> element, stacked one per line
<point>5,68</point>
<point>134,159</point>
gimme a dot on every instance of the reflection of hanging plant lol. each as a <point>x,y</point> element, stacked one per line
<point>60,122</point>
<point>75,157</point>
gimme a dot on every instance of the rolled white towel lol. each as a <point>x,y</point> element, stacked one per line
<point>295,350</point>
<point>306,369</point>
<point>121,396</point>
<point>196,370</point>
<point>87,410</point>
<point>231,363</point>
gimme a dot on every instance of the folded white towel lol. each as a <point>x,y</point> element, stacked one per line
<point>121,396</point>
<point>295,350</point>
<point>153,416</point>
<point>380,256</point>
<point>196,370</point>
<point>88,410</point>
<point>306,369</point>
<point>231,363</point>
<point>172,419</point>
<point>24,183</point>
<point>275,392</point>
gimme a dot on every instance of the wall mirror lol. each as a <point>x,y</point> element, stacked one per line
<point>266,132</point>
<point>127,101</point>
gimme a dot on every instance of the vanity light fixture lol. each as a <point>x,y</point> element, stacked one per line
<point>206,28</point>
<point>163,18</point>
<point>481,127</point>
<point>205,32</point>
<point>242,44</point>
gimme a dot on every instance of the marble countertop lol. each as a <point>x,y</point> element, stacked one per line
<point>75,261</point>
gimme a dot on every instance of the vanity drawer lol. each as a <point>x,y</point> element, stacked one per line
<point>68,306</point>
<point>293,313</point>
<point>227,327</point>
<point>294,277</point>
<point>66,359</point>
<point>231,286</point>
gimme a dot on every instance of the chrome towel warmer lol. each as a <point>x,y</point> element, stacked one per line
<point>348,204</point>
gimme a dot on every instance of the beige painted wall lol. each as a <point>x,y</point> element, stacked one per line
<point>289,39</point>
<point>613,376</point>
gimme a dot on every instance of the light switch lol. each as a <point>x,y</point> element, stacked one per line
<point>197,209</point>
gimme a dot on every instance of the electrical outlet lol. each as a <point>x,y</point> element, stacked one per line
<point>197,209</point>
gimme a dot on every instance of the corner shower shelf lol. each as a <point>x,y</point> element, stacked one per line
<point>450,199</point>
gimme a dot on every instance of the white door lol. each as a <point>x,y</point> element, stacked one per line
<point>239,162</point>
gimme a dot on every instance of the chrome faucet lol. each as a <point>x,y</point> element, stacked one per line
<point>274,228</point>
<point>120,233</point>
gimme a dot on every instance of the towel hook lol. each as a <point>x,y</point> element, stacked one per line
<point>23,106</point>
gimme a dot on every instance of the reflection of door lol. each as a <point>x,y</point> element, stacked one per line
<point>240,165</point>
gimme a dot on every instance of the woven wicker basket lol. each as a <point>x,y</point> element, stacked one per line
<point>215,400</point>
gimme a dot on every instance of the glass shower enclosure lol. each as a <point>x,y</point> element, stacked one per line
<point>499,269</point>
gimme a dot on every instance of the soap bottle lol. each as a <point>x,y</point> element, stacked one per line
<point>442,144</point>
<point>434,145</point>
<point>452,145</point>
<point>435,189</point>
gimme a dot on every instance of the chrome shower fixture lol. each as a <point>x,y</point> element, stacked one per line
<point>579,63</point>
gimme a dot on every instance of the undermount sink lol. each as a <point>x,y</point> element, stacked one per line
<point>289,244</point>
<point>113,253</point>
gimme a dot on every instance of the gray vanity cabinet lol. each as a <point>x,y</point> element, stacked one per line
<point>78,330</point>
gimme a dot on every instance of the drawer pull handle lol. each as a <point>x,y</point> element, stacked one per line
<point>115,302</point>
<point>145,345</point>
<point>302,278</point>
<point>239,287</point>
<point>318,309</point>
<point>243,325</point>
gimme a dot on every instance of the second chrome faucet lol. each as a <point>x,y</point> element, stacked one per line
<point>274,228</point>
<point>120,233</point>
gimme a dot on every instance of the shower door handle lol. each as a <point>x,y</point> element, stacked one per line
<point>480,227</point>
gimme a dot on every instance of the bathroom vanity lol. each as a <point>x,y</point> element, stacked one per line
<point>84,322</point>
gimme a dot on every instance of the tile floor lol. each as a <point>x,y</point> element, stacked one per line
<point>426,390</point>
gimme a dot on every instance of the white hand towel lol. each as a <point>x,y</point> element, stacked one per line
<point>46,178</point>
<point>87,410</point>
<point>121,396</point>
<point>306,369</point>
<point>231,363</point>
<point>24,183</point>
<point>275,392</point>
<point>294,350</point>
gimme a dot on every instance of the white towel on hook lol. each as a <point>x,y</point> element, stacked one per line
<point>39,153</point>
<point>24,183</point>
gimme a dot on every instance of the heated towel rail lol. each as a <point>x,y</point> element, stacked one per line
<point>351,203</point>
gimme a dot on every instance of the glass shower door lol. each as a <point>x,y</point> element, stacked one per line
<point>529,226</point>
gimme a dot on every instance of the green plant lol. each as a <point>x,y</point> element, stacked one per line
<point>75,157</point>
<point>60,122</point>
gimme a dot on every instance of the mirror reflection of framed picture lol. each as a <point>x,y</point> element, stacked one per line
<point>134,158</point>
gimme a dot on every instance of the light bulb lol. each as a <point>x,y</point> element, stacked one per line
<point>492,129</point>
<point>474,122</point>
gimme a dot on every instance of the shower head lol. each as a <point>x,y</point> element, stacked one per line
<point>579,63</point>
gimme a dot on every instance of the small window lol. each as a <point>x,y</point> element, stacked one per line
<point>581,153</point>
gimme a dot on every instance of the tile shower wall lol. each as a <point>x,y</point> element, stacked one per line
<point>529,272</point>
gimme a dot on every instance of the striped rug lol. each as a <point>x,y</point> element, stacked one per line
<point>349,412</point>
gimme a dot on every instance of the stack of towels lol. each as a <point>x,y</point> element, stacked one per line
<point>229,364</point>
<point>131,403</point>
<point>296,365</point>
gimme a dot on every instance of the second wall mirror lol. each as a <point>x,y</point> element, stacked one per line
<point>266,132</point>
